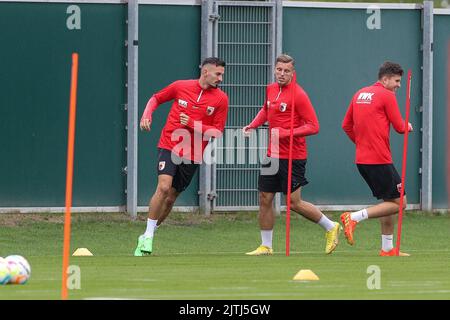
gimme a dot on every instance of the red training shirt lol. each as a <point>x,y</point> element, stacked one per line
<point>367,123</point>
<point>208,108</point>
<point>277,110</point>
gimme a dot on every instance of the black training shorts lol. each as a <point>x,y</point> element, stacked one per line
<point>172,165</point>
<point>383,180</point>
<point>278,181</point>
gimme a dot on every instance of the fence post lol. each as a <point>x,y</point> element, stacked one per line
<point>427,107</point>
<point>132,107</point>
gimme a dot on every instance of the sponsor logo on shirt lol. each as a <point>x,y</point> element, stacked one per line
<point>365,97</point>
<point>209,110</point>
<point>162,165</point>
<point>182,103</point>
<point>283,107</point>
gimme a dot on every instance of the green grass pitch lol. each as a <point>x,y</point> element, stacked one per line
<point>202,258</point>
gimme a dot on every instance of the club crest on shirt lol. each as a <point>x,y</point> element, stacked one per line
<point>399,188</point>
<point>283,107</point>
<point>209,110</point>
<point>162,165</point>
<point>182,103</point>
<point>268,104</point>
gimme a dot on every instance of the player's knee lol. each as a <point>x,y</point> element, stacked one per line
<point>294,204</point>
<point>404,203</point>
<point>397,202</point>
<point>297,205</point>
<point>163,189</point>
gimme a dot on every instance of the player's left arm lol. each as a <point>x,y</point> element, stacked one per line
<point>210,131</point>
<point>305,111</point>
<point>393,112</point>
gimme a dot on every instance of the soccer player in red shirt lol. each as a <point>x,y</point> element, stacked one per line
<point>199,111</point>
<point>277,111</point>
<point>367,123</point>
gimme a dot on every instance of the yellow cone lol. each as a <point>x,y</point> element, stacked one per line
<point>82,252</point>
<point>306,275</point>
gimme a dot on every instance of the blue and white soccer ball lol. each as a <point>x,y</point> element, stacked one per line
<point>19,269</point>
<point>4,272</point>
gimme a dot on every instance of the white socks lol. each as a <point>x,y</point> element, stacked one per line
<point>387,243</point>
<point>359,215</point>
<point>326,223</point>
<point>151,225</point>
<point>266,237</point>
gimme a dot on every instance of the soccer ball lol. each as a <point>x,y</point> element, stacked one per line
<point>4,271</point>
<point>19,269</point>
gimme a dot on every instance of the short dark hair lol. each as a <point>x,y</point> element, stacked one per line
<point>284,58</point>
<point>214,61</point>
<point>389,69</point>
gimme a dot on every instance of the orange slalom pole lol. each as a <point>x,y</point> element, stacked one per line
<point>291,144</point>
<point>405,151</point>
<point>69,174</point>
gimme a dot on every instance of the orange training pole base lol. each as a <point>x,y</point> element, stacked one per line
<point>69,174</point>
<point>405,151</point>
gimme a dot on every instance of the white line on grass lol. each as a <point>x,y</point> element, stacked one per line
<point>229,288</point>
<point>414,283</point>
<point>143,280</point>
<point>110,298</point>
<point>209,295</point>
<point>409,292</point>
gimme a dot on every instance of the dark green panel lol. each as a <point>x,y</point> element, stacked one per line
<point>35,63</point>
<point>440,110</point>
<point>169,50</point>
<point>336,55</point>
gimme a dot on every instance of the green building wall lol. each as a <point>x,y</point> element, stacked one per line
<point>336,55</point>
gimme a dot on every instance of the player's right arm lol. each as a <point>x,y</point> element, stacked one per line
<point>146,119</point>
<point>162,96</point>
<point>347,123</point>
<point>259,120</point>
